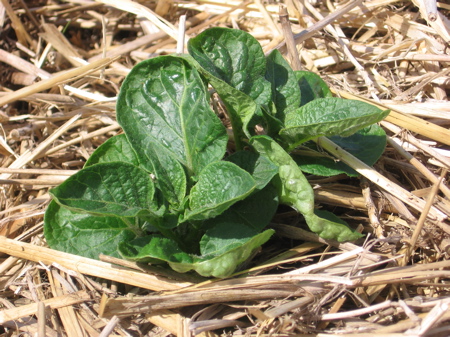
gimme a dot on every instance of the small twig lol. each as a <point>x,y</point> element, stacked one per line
<point>419,166</point>
<point>104,38</point>
<point>408,311</point>
<point>431,9</point>
<point>357,312</point>
<point>267,17</point>
<point>41,318</point>
<point>108,329</point>
<point>371,208</point>
<point>289,38</point>
<point>422,218</point>
<point>181,34</point>
<point>328,262</point>
<point>124,306</point>
<point>309,32</point>
<point>431,319</point>
<point>284,308</point>
<point>334,309</point>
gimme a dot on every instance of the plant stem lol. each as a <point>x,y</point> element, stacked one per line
<point>236,128</point>
<point>134,227</point>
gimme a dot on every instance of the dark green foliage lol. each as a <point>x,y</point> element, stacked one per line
<point>165,192</point>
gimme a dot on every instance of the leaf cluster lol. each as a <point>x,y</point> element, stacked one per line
<point>166,191</point>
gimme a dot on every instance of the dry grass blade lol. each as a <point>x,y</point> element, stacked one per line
<point>289,39</point>
<point>379,179</point>
<point>20,30</point>
<point>308,33</point>
<point>54,303</point>
<point>423,216</point>
<point>107,330</point>
<point>141,10</point>
<point>87,266</point>
<point>54,181</point>
<point>22,65</point>
<point>54,37</point>
<point>59,79</point>
<point>422,168</point>
<point>31,155</point>
<point>128,307</point>
<point>436,155</point>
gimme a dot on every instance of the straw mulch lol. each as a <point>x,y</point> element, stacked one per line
<point>61,67</point>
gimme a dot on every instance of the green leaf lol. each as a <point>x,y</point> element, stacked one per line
<point>225,264</point>
<point>241,108</point>
<point>293,187</point>
<point>234,64</point>
<point>220,185</point>
<point>235,57</point>
<point>160,249</point>
<point>367,145</point>
<point>330,227</point>
<point>294,190</point>
<point>255,211</point>
<point>225,236</point>
<point>164,110</point>
<point>169,173</point>
<point>154,249</point>
<point>311,86</point>
<point>260,167</point>
<point>285,89</point>
<point>116,148</point>
<point>329,117</point>
<point>272,125</point>
<point>84,234</point>
<point>112,189</point>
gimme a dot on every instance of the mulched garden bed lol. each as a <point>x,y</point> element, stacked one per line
<point>61,67</point>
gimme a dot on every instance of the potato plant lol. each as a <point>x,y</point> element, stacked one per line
<point>166,191</point>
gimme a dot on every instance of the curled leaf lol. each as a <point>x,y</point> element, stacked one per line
<point>224,254</point>
<point>294,190</point>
